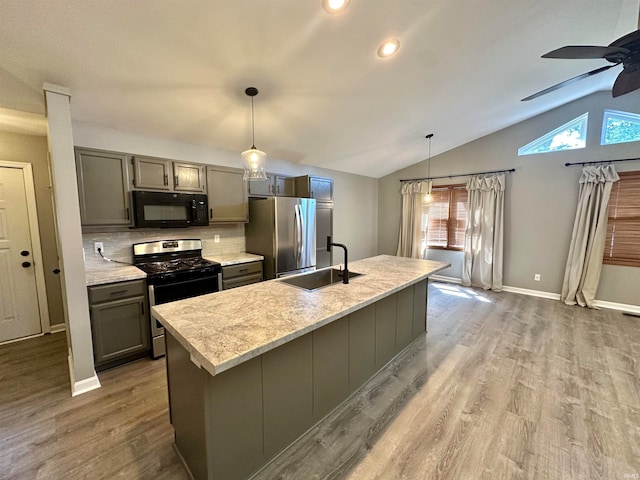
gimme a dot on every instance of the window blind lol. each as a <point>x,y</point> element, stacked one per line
<point>447,217</point>
<point>622,246</point>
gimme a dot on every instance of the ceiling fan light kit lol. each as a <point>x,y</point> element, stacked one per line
<point>625,51</point>
<point>253,159</point>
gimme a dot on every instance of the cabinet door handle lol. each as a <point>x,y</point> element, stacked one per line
<point>177,183</point>
<point>117,292</point>
<point>243,270</point>
<point>128,217</point>
<point>278,189</point>
<point>166,179</point>
<point>211,213</point>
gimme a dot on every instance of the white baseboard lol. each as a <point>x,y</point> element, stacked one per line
<point>60,327</point>
<point>442,278</point>
<point>82,386</point>
<point>550,295</point>
<point>531,293</point>
<point>617,306</point>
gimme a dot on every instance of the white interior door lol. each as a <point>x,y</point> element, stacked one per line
<point>19,311</point>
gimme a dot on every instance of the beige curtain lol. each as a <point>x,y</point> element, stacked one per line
<point>584,263</point>
<point>483,238</point>
<point>412,241</point>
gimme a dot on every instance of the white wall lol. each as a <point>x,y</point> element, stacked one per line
<point>355,214</point>
<point>540,200</point>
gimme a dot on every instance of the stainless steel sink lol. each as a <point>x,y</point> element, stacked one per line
<point>318,279</point>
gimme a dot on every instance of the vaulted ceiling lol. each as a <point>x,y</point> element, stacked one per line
<point>178,70</point>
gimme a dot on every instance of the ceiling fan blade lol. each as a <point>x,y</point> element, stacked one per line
<point>584,52</point>
<point>567,82</point>
<point>627,81</point>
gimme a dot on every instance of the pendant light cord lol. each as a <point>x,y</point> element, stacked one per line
<point>429,162</point>
<point>253,128</point>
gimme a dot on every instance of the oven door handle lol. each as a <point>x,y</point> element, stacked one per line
<point>152,296</point>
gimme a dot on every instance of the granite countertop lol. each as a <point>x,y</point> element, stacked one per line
<point>103,272</point>
<point>224,329</point>
<point>226,259</point>
<point>110,272</point>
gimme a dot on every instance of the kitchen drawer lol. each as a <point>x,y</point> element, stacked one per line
<point>240,281</point>
<point>116,291</point>
<point>241,270</point>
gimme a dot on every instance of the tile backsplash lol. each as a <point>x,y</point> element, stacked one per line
<point>117,245</point>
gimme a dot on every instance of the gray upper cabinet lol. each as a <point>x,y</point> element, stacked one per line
<point>227,194</point>
<point>102,188</point>
<point>319,188</point>
<point>189,177</point>
<point>152,173</point>
<point>262,188</point>
<point>285,186</point>
<point>162,174</point>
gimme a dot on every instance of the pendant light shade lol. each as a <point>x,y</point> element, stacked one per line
<point>253,159</point>
<point>428,198</point>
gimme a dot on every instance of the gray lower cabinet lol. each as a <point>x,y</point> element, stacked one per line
<point>103,187</point>
<point>229,425</point>
<point>119,323</point>
<point>242,274</point>
<point>227,195</point>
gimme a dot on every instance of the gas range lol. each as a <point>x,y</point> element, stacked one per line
<point>175,270</point>
<point>172,260</point>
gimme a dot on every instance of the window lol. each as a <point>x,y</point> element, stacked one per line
<point>622,246</point>
<point>620,127</point>
<point>569,136</point>
<point>447,217</point>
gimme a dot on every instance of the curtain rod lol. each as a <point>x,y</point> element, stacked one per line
<point>601,161</point>
<point>460,175</point>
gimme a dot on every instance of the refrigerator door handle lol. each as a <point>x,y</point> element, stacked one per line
<point>302,235</point>
<point>296,221</point>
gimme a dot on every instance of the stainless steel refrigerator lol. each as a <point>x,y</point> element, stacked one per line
<point>283,230</point>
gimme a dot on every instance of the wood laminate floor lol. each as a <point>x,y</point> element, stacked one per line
<point>505,386</point>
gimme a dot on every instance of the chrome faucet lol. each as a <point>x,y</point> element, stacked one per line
<point>345,272</point>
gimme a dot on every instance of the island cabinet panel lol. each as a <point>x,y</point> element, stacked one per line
<point>235,421</point>
<point>419,308</point>
<point>385,330</point>
<point>362,346</point>
<point>404,318</point>
<point>187,407</point>
<point>330,367</point>
<point>288,393</point>
<point>254,410</point>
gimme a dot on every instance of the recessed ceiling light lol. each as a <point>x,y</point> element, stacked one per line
<point>335,6</point>
<point>388,48</point>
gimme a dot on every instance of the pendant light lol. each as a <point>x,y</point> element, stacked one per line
<point>253,159</point>
<point>428,198</point>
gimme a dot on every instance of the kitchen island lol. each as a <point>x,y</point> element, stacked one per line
<point>251,369</point>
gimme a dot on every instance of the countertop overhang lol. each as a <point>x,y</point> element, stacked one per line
<point>224,329</point>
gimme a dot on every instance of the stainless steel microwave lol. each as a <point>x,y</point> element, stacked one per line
<point>169,210</point>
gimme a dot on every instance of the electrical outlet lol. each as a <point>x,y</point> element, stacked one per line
<point>216,239</point>
<point>98,245</point>
<point>536,277</point>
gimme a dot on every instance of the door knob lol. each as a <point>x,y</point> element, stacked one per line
<point>24,253</point>
<point>26,264</point>
<point>56,271</point>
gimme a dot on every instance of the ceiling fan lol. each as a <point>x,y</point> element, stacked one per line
<point>625,51</point>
